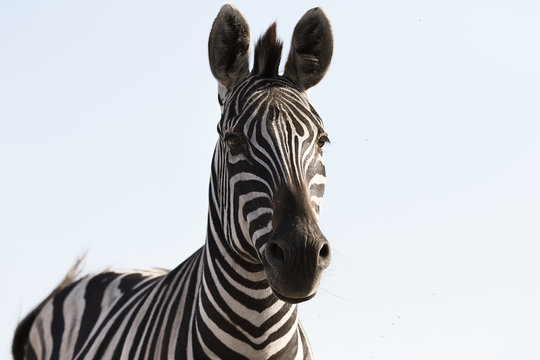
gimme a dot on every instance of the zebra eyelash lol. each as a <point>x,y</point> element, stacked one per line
<point>322,140</point>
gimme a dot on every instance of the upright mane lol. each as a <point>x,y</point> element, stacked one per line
<point>268,53</point>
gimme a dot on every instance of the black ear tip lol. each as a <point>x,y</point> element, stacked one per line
<point>317,12</point>
<point>315,23</point>
<point>230,13</point>
<point>228,8</point>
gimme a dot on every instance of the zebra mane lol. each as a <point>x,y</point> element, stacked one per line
<point>268,53</point>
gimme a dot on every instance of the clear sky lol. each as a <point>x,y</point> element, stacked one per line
<point>108,116</point>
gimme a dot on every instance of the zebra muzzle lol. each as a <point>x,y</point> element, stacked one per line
<point>294,261</point>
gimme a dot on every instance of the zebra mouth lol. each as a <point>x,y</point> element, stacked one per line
<point>293,300</point>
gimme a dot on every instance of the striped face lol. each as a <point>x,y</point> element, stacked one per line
<point>272,180</point>
<point>268,176</point>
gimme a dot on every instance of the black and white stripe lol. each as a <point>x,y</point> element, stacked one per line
<point>235,298</point>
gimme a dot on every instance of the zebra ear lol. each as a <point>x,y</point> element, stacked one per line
<point>311,49</point>
<point>228,47</point>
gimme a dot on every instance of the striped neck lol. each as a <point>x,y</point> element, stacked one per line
<point>236,308</point>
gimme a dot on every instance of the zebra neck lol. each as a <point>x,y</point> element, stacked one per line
<point>242,285</point>
<point>237,307</point>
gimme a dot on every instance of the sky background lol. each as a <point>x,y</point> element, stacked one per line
<point>108,115</point>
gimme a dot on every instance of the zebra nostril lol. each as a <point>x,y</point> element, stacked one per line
<point>275,254</point>
<point>325,251</point>
<point>324,256</point>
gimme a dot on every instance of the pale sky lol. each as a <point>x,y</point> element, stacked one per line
<point>108,115</point>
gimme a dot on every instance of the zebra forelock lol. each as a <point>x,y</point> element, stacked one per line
<point>268,54</point>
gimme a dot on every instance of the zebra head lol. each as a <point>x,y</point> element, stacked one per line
<point>268,173</point>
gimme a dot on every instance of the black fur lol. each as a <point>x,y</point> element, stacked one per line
<point>268,54</point>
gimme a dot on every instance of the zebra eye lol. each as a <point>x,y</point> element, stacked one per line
<point>234,140</point>
<point>323,139</point>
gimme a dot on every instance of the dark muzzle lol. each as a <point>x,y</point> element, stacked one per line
<point>297,252</point>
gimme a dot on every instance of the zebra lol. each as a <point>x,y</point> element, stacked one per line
<point>236,297</point>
